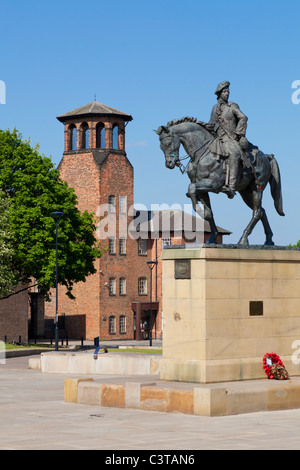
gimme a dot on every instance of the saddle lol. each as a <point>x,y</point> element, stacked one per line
<point>249,154</point>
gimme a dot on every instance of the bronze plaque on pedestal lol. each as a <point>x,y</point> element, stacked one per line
<point>182,269</point>
<point>256,308</point>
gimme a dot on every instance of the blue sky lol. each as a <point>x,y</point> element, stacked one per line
<point>160,60</point>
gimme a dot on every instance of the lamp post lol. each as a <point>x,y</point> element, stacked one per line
<point>56,217</point>
<point>151,265</point>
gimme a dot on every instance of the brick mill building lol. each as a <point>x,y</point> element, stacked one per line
<point>95,164</point>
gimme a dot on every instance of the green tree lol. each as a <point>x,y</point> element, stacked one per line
<point>8,277</point>
<point>35,189</point>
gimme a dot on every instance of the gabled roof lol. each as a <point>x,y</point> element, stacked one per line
<point>166,221</point>
<point>94,109</point>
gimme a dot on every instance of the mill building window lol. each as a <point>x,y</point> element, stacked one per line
<point>122,246</point>
<point>166,242</point>
<point>112,203</point>
<point>112,286</point>
<point>112,325</point>
<point>123,204</point>
<point>142,285</point>
<point>112,246</point>
<point>122,286</point>
<point>142,247</point>
<point>122,324</point>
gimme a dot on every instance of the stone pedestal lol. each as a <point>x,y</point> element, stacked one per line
<point>225,308</point>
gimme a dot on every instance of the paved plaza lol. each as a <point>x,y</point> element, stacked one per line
<point>34,416</point>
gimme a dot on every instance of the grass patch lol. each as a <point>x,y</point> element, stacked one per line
<point>135,350</point>
<point>9,346</point>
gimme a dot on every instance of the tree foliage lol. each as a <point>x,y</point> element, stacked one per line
<point>35,189</point>
<point>8,276</point>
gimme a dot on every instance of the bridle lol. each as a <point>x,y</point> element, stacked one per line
<point>178,161</point>
<point>183,168</point>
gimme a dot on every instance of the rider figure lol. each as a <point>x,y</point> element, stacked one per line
<point>229,125</point>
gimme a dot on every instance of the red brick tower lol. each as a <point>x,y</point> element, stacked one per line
<point>95,164</point>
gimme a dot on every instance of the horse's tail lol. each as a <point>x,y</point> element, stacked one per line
<point>275,183</point>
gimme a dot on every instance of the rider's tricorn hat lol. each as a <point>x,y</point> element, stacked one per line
<point>221,87</point>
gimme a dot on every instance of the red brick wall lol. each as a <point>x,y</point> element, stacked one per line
<point>117,180</point>
<point>82,314</point>
<point>14,316</point>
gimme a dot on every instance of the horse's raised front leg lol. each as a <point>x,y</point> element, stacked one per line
<point>205,213</point>
<point>193,195</point>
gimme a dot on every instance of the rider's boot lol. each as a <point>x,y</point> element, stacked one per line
<point>229,191</point>
<point>230,188</point>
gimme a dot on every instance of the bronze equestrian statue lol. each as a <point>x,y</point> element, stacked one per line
<point>223,160</point>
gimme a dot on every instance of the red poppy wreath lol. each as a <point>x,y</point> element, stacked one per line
<point>274,367</point>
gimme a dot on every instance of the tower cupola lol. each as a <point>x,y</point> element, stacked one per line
<point>94,126</point>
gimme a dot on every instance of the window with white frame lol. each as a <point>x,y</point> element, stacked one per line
<point>122,246</point>
<point>112,246</point>
<point>166,242</point>
<point>112,325</point>
<point>112,286</point>
<point>122,324</point>
<point>142,247</point>
<point>112,203</point>
<point>123,204</point>
<point>122,286</point>
<point>142,285</point>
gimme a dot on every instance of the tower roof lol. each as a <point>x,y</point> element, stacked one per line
<point>94,109</point>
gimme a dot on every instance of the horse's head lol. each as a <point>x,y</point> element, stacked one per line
<point>169,143</point>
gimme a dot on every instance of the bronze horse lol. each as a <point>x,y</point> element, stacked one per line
<point>208,174</point>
